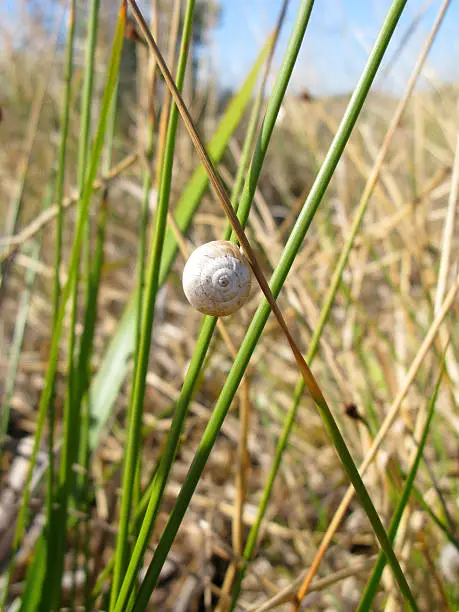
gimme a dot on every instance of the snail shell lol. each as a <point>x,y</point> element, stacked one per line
<point>217,278</point>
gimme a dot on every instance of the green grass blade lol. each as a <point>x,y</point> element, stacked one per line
<point>72,410</point>
<point>35,576</point>
<point>107,383</point>
<point>82,492</point>
<point>86,100</point>
<point>60,179</point>
<point>148,312</point>
<point>373,582</point>
<point>259,321</point>
<point>50,513</point>
<point>143,227</point>
<point>328,302</point>
<point>82,390</point>
<point>83,149</point>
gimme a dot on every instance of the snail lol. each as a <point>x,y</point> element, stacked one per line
<point>217,278</point>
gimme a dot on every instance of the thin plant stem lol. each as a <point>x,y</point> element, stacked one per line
<point>147,184</point>
<point>151,290</point>
<point>85,122</point>
<point>83,395</point>
<point>72,408</point>
<point>448,230</point>
<point>60,180</point>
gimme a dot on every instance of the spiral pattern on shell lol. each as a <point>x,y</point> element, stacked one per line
<point>217,278</point>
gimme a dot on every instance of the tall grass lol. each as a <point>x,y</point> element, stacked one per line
<point>137,410</point>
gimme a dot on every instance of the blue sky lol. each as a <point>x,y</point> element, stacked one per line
<point>336,45</point>
<point>337,41</point>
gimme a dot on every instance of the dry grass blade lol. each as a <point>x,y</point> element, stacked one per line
<point>383,229</point>
<point>220,191</point>
<point>286,594</point>
<point>403,102</point>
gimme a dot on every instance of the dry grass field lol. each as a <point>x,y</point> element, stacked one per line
<point>370,299</point>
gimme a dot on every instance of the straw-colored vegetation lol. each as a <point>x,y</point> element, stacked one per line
<point>153,458</point>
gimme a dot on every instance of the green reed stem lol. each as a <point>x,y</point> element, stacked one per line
<point>72,407</point>
<point>60,180</point>
<point>151,290</point>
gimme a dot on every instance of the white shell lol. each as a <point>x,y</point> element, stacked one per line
<point>217,278</point>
